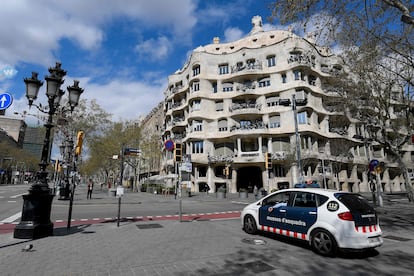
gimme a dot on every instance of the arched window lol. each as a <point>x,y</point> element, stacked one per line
<point>271,60</point>
<point>196,70</point>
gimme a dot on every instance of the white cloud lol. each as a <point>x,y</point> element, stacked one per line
<point>154,49</point>
<point>233,34</point>
<point>126,100</point>
<point>31,30</point>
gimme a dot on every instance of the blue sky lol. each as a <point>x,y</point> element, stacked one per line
<point>121,51</point>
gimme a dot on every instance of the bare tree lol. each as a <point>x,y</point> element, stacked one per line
<point>375,39</point>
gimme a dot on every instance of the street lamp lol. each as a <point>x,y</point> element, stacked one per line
<point>35,222</point>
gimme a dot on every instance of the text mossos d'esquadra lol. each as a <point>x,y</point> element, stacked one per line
<point>287,221</point>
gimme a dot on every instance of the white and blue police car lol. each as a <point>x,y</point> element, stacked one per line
<point>329,220</point>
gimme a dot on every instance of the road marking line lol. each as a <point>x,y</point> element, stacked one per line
<point>16,196</point>
<point>12,218</point>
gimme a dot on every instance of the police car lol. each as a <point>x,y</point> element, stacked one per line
<point>329,220</point>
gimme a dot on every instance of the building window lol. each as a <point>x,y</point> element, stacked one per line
<point>196,105</point>
<point>219,106</point>
<point>271,61</point>
<point>227,87</point>
<point>284,78</point>
<point>198,147</point>
<point>264,82</point>
<point>299,75</point>
<point>280,144</point>
<point>279,170</point>
<point>245,124</point>
<point>215,87</point>
<point>196,86</point>
<point>196,70</point>
<point>223,69</point>
<point>304,143</point>
<point>274,121</point>
<point>222,125</point>
<point>302,118</point>
<point>197,125</point>
<point>272,101</point>
<point>312,80</point>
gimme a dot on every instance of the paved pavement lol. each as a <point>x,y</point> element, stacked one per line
<point>159,247</point>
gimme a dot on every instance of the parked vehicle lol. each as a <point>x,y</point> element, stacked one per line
<point>328,220</point>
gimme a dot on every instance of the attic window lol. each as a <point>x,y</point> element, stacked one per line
<point>272,36</point>
<point>231,47</point>
<point>254,40</point>
<point>217,48</point>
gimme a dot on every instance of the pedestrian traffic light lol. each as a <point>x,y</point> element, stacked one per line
<point>268,160</point>
<point>78,149</point>
<point>178,152</point>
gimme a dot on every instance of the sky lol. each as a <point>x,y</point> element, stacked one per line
<point>122,52</point>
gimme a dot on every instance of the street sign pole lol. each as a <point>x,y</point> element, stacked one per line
<point>180,212</point>
<point>5,101</point>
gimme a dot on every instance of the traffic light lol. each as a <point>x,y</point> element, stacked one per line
<point>226,171</point>
<point>78,149</point>
<point>178,152</point>
<point>268,160</point>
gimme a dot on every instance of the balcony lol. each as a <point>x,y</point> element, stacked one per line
<point>177,88</point>
<point>252,126</point>
<point>247,87</point>
<point>254,66</point>
<point>220,159</point>
<point>302,59</point>
<point>244,107</point>
<point>279,155</point>
<point>177,105</point>
<point>177,120</point>
<point>339,130</point>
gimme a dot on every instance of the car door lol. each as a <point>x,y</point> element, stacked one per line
<point>273,210</point>
<point>301,213</point>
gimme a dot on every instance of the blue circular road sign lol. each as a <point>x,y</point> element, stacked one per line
<point>5,100</point>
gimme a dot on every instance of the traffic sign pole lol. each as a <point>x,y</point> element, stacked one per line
<point>5,100</point>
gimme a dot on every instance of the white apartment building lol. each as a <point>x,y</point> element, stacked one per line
<point>232,104</point>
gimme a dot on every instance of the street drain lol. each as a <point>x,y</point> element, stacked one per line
<point>254,241</point>
<point>149,226</point>
<point>396,238</point>
<point>257,266</point>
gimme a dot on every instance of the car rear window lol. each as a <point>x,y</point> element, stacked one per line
<point>355,202</point>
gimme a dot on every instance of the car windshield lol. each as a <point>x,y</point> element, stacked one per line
<point>355,202</point>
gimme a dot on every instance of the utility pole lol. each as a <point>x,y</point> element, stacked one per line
<point>298,156</point>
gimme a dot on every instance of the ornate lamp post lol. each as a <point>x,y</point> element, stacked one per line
<point>35,222</point>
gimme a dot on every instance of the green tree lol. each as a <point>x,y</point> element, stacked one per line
<point>110,143</point>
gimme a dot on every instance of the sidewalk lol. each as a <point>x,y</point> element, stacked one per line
<point>158,247</point>
<point>139,248</point>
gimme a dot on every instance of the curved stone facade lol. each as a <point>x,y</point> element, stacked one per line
<point>233,104</point>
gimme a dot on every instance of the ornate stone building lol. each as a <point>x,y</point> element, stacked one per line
<point>261,106</point>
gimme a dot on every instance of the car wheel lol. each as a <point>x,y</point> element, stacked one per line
<point>324,243</point>
<point>249,225</point>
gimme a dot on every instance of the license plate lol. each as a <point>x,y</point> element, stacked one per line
<point>374,240</point>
